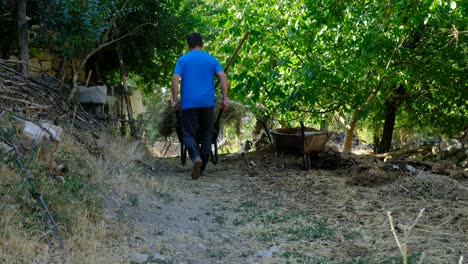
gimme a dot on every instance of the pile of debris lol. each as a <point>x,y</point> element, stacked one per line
<point>41,100</point>
<point>447,158</point>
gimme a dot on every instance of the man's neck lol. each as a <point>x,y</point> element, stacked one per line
<point>196,48</point>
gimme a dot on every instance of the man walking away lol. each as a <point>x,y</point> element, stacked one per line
<point>197,69</point>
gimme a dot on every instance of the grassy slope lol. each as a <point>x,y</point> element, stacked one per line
<point>74,196</point>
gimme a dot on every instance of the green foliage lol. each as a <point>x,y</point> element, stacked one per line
<point>151,34</point>
<point>133,199</point>
<point>151,52</point>
<point>307,57</point>
<point>317,229</point>
<point>72,29</point>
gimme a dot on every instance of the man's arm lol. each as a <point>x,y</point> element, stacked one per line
<point>175,91</point>
<point>224,87</point>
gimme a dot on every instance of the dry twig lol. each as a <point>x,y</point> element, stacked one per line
<point>403,245</point>
<point>52,227</point>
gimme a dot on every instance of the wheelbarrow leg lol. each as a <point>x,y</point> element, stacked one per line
<point>282,160</point>
<point>306,161</point>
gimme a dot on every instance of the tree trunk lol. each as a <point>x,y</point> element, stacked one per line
<point>23,48</point>
<point>123,82</point>
<point>348,144</point>
<point>391,108</point>
<point>385,143</point>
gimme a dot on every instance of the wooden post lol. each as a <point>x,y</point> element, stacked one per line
<point>23,48</point>
<point>123,82</point>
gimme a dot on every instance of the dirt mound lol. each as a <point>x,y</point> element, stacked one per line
<point>370,175</point>
<point>429,186</point>
<point>330,159</point>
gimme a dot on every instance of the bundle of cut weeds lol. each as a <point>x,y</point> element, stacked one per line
<point>167,122</point>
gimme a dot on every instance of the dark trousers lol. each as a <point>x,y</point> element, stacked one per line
<point>197,126</point>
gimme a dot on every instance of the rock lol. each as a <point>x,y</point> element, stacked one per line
<point>139,258</point>
<point>464,163</point>
<point>60,178</point>
<point>443,167</point>
<point>158,258</point>
<point>268,253</point>
<point>38,134</point>
<point>92,95</point>
<point>466,153</point>
<point>451,145</point>
<point>410,169</point>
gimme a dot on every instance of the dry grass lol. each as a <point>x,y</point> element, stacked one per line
<point>290,203</point>
<point>75,198</point>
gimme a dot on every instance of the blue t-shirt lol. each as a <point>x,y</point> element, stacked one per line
<point>197,69</point>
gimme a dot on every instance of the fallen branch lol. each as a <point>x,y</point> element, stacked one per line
<point>403,152</point>
<point>55,228</point>
<point>25,102</point>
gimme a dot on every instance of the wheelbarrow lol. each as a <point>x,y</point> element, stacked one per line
<point>301,140</point>
<point>214,139</point>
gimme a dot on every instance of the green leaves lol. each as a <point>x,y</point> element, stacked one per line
<point>309,55</point>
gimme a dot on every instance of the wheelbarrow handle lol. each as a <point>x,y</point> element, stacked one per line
<point>302,134</point>
<point>218,119</point>
<point>177,112</point>
<point>266,128</point>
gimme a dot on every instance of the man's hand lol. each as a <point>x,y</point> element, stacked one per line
<point>175,106</point>
<point>224,103</point>
<point>224,88</point>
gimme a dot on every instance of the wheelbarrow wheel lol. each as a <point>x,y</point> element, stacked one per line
<point>214,153</point>
<point>183,154</point>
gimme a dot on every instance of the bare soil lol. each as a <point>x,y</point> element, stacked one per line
<point>250,210</point>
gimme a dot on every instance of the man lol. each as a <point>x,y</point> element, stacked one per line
<point>197,69</point>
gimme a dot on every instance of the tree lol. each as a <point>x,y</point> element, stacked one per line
<point>149,33</point>
<point>312,57</point>
<point>23,48</point>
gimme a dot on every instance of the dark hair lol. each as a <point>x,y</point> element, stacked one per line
<point>194,40</point>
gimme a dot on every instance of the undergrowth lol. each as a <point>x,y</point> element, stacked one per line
<point>52,196</point>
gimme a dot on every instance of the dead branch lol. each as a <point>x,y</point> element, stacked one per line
<point>33,105</point>
<point>403,152</point>
<point>403,245</point>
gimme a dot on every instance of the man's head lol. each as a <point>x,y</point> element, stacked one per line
<point>195,41</point>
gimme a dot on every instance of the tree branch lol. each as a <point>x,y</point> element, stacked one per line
<point>100,47</point>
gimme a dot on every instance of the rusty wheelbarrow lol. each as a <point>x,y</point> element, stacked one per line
<point>301,140</point>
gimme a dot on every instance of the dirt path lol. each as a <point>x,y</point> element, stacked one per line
<point>261,214</point>
<point>184,220</point>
